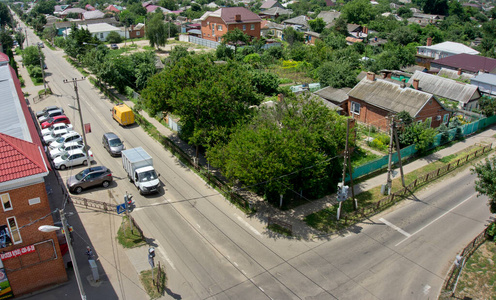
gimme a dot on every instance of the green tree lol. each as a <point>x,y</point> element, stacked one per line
<point>405,12</point>
<point>487,106</point>
<point>317,25</point>
<point>486,180</point>
<point>6,40</point>
<point>5,17</point>
<point>20,38</point>
<point>44,7</point>
<point>418,134</point>
<point>39,23</point>
<point>404,35</point>
<point>293,36</point>
<point>264,82</point>
<point>234,38</point>
<point>177,53</point>
<point>114,37</point>
<point>156,31</point>
<point>50,33</point>
<point>358,12</point>
<point>169,4</point>
<point>340,26</point>
<point>31,56</point>
<point>337,74</point>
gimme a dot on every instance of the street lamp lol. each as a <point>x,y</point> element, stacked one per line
<point>50,228</point>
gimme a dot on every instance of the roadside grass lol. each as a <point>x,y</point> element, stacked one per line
<point>76,64</point>
<point>478,277</point>
<point>361,156</point>
<point>325,220</point>
<point>279,229</point>
<point>129,237</point>
<point>148,283</point>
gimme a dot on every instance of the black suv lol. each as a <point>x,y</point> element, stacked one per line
<point>98,175</point>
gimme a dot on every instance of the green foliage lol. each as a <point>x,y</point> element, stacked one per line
<point>337,74</point>
<point>6,40</point>
<point>234,38</point>
<point>378,144</point>
<point>358,12</point>
<point>487,105</point>
<point>281,141</point>
<point>5,17</point>
<point>264,82</point>
<point>405,118</point>
<point>156,31</point>
<point>79,41</point>
<point>418,134</point>
<point>177,53</point>
<point>292,36</point>
<point>31,56</point>
<point>491,231</point>
<point>223,52</point>
<point>317,25</point>
<point>486,180</point>
<point>113,37</point>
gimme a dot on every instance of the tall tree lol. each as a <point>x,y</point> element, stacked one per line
<point>234,38</point>
<point>358,12</point>
<point>486,182</point>
<point>156,30</point>
<point>317,25</point>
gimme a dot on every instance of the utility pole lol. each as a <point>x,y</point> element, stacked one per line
<point>390,151</point>
<point>74,82</point>
<point>42,68</point>
<point>26,32</point>
<point>399,155</point>
<point>342,189</point>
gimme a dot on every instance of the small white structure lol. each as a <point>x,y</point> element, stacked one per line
<point>445,49</point>
<point>99,30</point>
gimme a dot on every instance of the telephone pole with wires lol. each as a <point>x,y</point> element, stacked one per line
<point>342,192</point>
<point>393,137</point>
<point>74,81</point>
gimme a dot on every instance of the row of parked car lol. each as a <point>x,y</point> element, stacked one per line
<point>66,148</point>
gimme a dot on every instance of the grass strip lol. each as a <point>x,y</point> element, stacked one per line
<point>128,236</point>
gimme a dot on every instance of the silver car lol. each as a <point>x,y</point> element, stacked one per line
<point>112,143</point>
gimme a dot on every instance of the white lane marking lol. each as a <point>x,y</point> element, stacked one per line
<point>447,212</point>
<point>395,227</point>
<point>198,225</point>
<point>166,257</point>
<point>248,225</point>
<point>243,272</point>
<point>235,263</point>
<point>426,289</point>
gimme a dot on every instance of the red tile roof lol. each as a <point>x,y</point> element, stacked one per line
<point>468,62</point>
<point>19,158</point>
<point>4,57</point>
<point>228,14</point>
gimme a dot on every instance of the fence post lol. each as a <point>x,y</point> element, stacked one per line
<point>85,202</point>
<point>458,162</point>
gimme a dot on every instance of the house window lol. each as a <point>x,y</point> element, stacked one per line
<point>445,118</point>
<point>138,33</point>
<point>219,27</point>
<point>15,235</point>
<point>244,27</point>
<point>252,27</point>
<point>355,107</point>
<point>101,35</point>
<point>7,205</point>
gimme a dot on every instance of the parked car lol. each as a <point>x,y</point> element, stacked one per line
<point>68,137</point>
<point>47,139</point>
<point>114,46</point>
<point>49,130</point>
<point>112,143</point>
<point>66,148</point>
<point>55,120</point>
<point>48,108</point>
<point>72,158</point>
<point>41,45</point>
<point>50,114</point>
<point>93,176</point>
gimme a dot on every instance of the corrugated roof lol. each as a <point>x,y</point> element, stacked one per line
<point>468,62</point>
<point>485,78</point>
<point>276,11</point>
<point>453,74</point>
<point>444,87</point>
<point>299,20</point>
<point>329,16</point>
<point>390,96</point>
<point>451,47</point>
<point>93,14</point>
<point>332,94</point>
<point>268,4</point>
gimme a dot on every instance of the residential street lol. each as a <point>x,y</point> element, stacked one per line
<point>211,250</point>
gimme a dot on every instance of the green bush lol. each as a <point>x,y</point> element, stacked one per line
<point>113,37</point>
<point>378,144</point>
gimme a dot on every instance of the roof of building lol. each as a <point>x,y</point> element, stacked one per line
<point>312,33</point>
<point>299,20</point>
<point>390,96</point>
<point>468,62</point>
<point>76,10</point>
<point>451,47</point>
<point>329,16</point>
<point>99,27</point>
<point>94,14</point>
<point>228,15</point>
<point>89,7</point>
<point>68,24</point>
<point>272,25</point>
<point>274,11</point>
<point>444,87</point>
<point>334,95</point>
<point>353,27</point>
<point>453,74</point>
<point>485,78</point>
<point>60,8</point>
<point>19,158</point>
<point>112,8</point>
<point>268,4</point>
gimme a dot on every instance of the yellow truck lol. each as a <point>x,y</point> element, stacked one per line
<point>123,114</point>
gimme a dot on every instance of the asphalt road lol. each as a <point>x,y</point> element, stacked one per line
<point>212,251</point>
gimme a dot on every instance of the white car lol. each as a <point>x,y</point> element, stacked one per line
<point>54,127</point>
<point>65,148</point>
<point>68,137</point>
<point>50,114</point>
<point>47,139</point>
<point>72,158</point>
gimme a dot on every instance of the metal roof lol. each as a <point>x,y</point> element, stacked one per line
<point>467,62</point>
<point>444,87</point>
<point>485,78</point>
<point>332,94</point>
<point>451,47</point>
<point>390,96</point>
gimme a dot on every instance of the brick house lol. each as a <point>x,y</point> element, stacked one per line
<point>372,100</point>
<point>137,31</point>
<point>30,259</point>
<point>215,24</point>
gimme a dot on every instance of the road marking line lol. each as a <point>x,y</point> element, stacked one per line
<point>166,257</point>
<point>426,289</point>
<point>447,212</point>
<point>248,225</point>
<point>395,227</point>
<point>243,272</point>
<point>198,225</point>
<point>235,263</point>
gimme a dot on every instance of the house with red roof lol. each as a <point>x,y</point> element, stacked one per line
<point>217,23</point>
<point>29,259</point>
<point>466,63</point>
<point>113,9</point>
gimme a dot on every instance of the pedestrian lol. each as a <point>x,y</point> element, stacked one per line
<point>89,252</point>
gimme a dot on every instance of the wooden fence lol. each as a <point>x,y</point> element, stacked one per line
<point>387,201</point>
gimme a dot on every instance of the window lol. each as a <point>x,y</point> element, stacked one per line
<point>101,35</point>
<point>355,107</point>
<point>445,118</point>
<point>428,121</point>
<point>7,205</point>
<point>244,27</point>
<point>138,33</point>
<point>252,27</point>
<point>14,232</point>
<point>219,27</point>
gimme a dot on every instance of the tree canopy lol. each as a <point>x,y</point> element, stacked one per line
<point>486,180</point>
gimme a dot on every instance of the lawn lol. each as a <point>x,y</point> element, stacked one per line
<point>128,236</point>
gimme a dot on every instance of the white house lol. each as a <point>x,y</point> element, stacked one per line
<point>445,49</point>
<point>99,30</point>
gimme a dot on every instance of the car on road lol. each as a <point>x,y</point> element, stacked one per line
<point>66,147</point>
<point>47,139</point>
<point>72,158</point>
<point>114,46</point>
<point>55,120</point>
<point>46,109</point>
<point>90,177</point>
<point>49,114</point>
<point>41,45</point>
<point>112,143</point>
<point>66,138</point>
<point>49,130</point>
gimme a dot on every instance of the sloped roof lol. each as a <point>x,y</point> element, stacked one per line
<point>112,8</point>
<point>94,14</point>
<point>444,87</point>
<point>76,10</point>
<point>99,27</point>
<point>268,4</point>
<point>390,96</point>
<point>68,24</point>
<point>276,11</point>
<point>89,7</point>
<point>329,16</point>
<point>228,15</point>
<point>468,62</point>
<point>485,78</point>
<point>299,20</point>
<point>453,74</point>
<point>334,95</point>
<point>451,47</point>
<point>19,158</point>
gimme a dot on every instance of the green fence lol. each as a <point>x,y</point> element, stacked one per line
<point>406,152</point>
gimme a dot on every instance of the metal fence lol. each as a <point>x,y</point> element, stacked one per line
<point>94,204</point>
<point>203,42</point>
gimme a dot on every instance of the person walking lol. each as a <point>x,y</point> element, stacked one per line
<point>89,252</point>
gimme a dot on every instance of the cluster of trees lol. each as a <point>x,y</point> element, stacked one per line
<point>32,58</point>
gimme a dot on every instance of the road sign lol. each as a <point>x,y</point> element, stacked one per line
<point>121,208</point>
<point>151,261</point>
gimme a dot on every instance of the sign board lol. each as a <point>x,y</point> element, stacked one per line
<point>17,252</point>
<point>121,208</point>
<point>87,128</point>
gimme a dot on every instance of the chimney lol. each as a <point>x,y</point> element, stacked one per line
<point>415,84</point>
<point>237,18</point>
<point>280,97</point>
<point>371,76</point>
<point>365,30</point>
<point>459,71</point>
<point>403,83</point>
<point>429,41</point>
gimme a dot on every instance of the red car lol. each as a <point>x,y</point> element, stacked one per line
<point>55,120</point>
